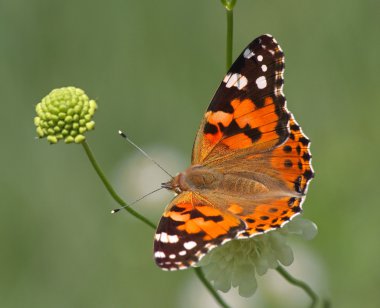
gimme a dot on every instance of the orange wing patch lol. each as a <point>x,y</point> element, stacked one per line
<point>246,114</point>
<point>243,107</point>
<point>189,229</point>
<point>213,118</point>
<point>270,215</point>
<point>240,141</point>
<point>293,160</point>
<point>250,124</point>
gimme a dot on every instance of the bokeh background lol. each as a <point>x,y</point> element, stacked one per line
<point>153,67</point>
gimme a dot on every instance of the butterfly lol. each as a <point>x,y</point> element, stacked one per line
<point>250,165</point>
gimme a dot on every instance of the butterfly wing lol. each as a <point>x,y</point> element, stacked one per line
<point>248,109</point>
<point>189,228</point>
<point>248,135</point>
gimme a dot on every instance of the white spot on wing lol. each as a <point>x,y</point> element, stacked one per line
<point>189,245</point>
<point>261,82</point>
<point>157,236</point>
<point>159,254</point>
<point>260,58</point>
<point>232,80</point>
<point>173,238</point>
<point>172,256</point>
<point>164,236</point>
<point>226,78</point>
<point>248,53</point>
<point>225,241</point>
<point>182,252</point>
<point>264,68</point>
<point>242,82</point>
<point>237,80</point>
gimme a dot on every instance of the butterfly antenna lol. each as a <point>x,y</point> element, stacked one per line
<point>143,152</point>
<point>137,200</point>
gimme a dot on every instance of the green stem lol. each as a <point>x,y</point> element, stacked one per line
<point>230,30</point>
<point>207,284</point>
<point>110,189</point>
<point>229,6</point>
<point>300,284</point>
<point>124,205</point>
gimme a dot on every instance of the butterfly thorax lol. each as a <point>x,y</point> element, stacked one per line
<point>195,178</point>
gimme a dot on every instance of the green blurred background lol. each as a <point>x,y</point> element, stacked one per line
<point>153,67</point>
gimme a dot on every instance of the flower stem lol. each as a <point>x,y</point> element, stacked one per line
<point>124,205</point>
<point>110,189</point>
<point>284,273</point>
<point>229,6</point>
<point>208,285</point>
<point>230,28</point>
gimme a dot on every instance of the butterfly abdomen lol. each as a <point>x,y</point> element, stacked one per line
<point>235,184</point>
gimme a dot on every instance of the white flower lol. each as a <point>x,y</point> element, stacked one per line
<point>237,262</point>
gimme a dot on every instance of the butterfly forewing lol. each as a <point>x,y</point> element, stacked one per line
<point>248,109</point>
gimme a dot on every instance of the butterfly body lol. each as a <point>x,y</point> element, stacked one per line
<point>230,184</point>
<point>250,168</point>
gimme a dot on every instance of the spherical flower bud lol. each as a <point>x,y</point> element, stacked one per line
<point>65,113</point>
<point>237,262</point>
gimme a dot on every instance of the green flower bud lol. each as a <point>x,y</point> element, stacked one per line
<point>65,113</point>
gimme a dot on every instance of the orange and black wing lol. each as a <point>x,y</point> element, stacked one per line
<point>248,111</point>
<point>190,227</point>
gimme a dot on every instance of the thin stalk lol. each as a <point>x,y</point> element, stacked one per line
<point>207,284</point>
<point>300,284</point>
<point>110,189</point>
<point>229,6</point>
<point>230,31</point>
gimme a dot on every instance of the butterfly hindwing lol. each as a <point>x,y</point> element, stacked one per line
<point>189,228</point>
<point>286,172</point>
<point>270,214</point>
<point>292,163</point>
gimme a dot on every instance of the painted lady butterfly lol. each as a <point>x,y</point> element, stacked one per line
<point>250,166</point>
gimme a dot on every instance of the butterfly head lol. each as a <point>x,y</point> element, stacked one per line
<point>175,184</point>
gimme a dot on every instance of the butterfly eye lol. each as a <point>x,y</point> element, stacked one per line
<point>177,190</point>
